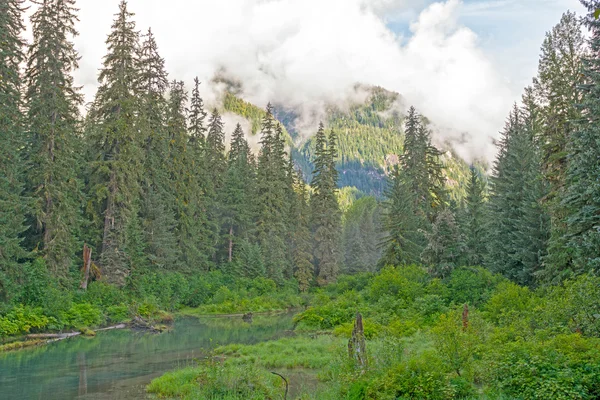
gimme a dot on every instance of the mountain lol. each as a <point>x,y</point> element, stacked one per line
<point>371,138</point>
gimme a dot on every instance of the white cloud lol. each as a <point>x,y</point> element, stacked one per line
<point>305,53</point>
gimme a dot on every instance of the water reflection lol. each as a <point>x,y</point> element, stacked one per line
<point>118,364</point>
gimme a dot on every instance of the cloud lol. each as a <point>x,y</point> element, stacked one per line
<point>307,53</point>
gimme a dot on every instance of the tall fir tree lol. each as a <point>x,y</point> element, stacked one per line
<point>12,166</point>
<point>238,192</point>
<point>404,240</point>
<point>517,223</point>
<point>158,197</point>
<point>559,74</point>
<point>53,123</point>
<point>582,192</point>
<point>197,115</point>
<point>271,186</point>
<point>303,267</point>
<point>415,194</point>
<point>325,210</point>
<point>116,143</point>
<point>473,220</point>
<point>199,254</point>
<point>215,162</point>
<point>444,245</point>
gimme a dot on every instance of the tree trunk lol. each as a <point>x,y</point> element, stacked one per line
<point>230,258</point>
<point>357,346</point>
<point>87,264</point>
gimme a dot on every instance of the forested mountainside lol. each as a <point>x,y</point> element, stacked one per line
<point>370,134</point>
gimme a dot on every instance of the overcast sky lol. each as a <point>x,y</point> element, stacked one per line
<point>462,63</point>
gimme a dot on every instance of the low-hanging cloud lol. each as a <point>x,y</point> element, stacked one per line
<point>307,53</point>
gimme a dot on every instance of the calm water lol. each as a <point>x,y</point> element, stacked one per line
<point>118,364</point>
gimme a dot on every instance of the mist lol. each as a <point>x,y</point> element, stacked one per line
<point>306,54</point>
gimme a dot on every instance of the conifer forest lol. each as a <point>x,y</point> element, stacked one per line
<point>365,260</point>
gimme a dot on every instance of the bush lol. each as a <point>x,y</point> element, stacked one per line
<point>402,283</point>
<point>118,313</point>
<point>568,367</point>
<point>473,285</point>
<point>83,315</point>
<point>22,319</point>
<point>331,314</point>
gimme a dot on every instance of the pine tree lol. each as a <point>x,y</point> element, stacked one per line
<point>474,220</point>
<point>197,115</point>
<point>157,210</point>
<point>200,230</point>
<point>443,244</point>
<point>216,168</point>
<point>415,195</point>
<point>404,240</point>
<point>517,223</point>
<point>238,192</point>
<point>558,77</point>
<point>271,194</point>
<point>12,167</point>
<point>300,234</point>
<point>53,137</point>
<point>117,143</point>
<point>582,192</point>
<point>326,214</point>
<point>361,236</point>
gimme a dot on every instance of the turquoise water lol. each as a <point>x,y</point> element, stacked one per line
<point>118,364</point>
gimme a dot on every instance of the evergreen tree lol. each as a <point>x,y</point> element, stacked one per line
<point>558,76</point>
<point>12,168</point>
<point>199,229</point>
<point>117,143</point>
<point>238,191</point>
<point>300,233</point>
<point>326,214</point>
<point>216,167</point>
<point>582,193</point>
<point>361,236</point>
<point>443,244</point>
<point>197,115</point>
<point>157,211</point>
<point>53,137</point>
<point>271,186</point>
<point>404,240</point>
<point>474,220</point>
<point>517,223</point>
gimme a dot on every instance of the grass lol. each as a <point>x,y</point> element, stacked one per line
<point>218,381</point>
<point>289,353</point>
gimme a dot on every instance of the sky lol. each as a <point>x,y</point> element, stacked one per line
<point>461,63</point>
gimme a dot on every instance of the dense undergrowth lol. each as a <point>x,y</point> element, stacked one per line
<point>514,343</point>
<point>43,306</point>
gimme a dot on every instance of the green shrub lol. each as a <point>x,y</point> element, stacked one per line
<point>333,313</point>
<point>402,283</point>
<point>507,302</point>
<point>568,367</point>
<point>118,313</point>
<point>83,315</point>
<point>471,285</point>
<point>22,319</point>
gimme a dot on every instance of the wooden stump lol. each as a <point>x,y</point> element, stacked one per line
<point>357,346</point>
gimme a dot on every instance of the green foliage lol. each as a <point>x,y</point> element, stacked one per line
<point>213,381</point>
<point>22,319</point>
<point>83,315</point>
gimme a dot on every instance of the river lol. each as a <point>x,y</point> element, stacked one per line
<point>118,364</point>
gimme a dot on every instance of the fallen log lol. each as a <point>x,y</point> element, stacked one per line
<point>120,326</point>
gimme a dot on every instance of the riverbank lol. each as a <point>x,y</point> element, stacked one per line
<point>470,335</point>
<point>158,298</point>
<point>120,363</point>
